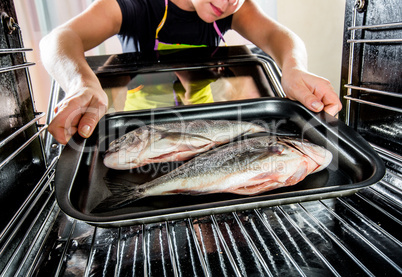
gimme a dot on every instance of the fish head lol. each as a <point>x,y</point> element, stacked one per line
<point>124,152</point>
<point>321,156</point>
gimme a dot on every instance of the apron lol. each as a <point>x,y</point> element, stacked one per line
<point>164,95</point>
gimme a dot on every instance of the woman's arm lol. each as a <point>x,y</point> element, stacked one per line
<point>62,53</point>
<point>288,50</point>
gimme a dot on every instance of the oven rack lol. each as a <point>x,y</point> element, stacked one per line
<point>26,230</point>
<point>395,109</point>
<point>302,239</point>
<point>14,29</point>
<point>27,143</point>
<point>375,27</point>
<point>14,51</point>
<point>37,116</point>
<point>358,234</point>
<point>358,8</point>
<point>21,240</point>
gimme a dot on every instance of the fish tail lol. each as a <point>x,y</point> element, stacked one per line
<point>122,191</point>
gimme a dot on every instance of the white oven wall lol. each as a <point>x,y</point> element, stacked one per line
<point>320,24</point>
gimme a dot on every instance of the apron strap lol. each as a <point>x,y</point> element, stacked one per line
<point>219,33</point>
<point>164,20</point>
<point>161,25</point>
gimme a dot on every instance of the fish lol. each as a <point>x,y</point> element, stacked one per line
<point>173,141</point>
<point>246,167</point>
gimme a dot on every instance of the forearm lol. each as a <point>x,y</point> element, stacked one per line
<point>286,48</point>
<point>289,52</point>
<point>315,92</point>
<point>62,54</point>
<point>283,45</point>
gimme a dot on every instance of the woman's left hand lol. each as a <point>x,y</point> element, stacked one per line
<point>314,92</point>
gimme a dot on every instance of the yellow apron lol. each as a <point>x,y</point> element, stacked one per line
<point>167,95</point>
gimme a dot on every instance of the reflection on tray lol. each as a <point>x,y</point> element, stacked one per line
<point>185,87</point>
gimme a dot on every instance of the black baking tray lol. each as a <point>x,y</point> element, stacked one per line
<point>80,185</point>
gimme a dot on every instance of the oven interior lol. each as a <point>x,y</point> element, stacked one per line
<point>357,234</point>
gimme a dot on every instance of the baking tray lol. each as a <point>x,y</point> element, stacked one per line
<point>80,185</point>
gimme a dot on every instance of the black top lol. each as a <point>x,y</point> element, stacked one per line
<point>141,19</point>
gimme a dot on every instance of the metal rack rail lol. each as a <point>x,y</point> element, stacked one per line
<point>320,237</point>
<point>359,7</point>
<point>22,235</point>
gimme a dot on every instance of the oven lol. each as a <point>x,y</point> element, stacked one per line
<point>309,231</point>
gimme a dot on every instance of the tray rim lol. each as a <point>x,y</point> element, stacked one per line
<point>273,199</point>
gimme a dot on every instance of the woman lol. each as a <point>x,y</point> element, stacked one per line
<point>144,25</point>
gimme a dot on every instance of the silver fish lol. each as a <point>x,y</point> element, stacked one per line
<point>248,167</point>
<point>175,141</point>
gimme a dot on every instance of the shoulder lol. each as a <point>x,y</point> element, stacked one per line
<point>248,10</point>
<point>140,9</point>
<point>129,6</point>
<point>249,15</point>
<point>100,20</point>
<point>137,13</point>
<point>138,6</point>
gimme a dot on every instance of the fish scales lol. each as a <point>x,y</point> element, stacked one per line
<point>174,141</point>
<point>250,166</point>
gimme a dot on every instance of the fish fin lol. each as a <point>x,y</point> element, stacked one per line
<point>268,181</point>
<point>189,135</point>
<point>321,156</point>
<point>298,175</point>
<point>257,188</point>
<point>181,146</point>
<point>123,193</point>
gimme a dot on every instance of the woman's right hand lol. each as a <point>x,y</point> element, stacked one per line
<point>63,55</point>
<point>80,112</point>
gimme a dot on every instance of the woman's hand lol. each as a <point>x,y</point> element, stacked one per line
<point>80,112</point>
<point>63,55</point>
<point>314,92</point>
<point>289,52</point>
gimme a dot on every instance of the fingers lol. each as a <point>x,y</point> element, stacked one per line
<point>309,100</point>
<point>90,119</point>
<point>81,113</point>
<point>64,124</point>
<point>327,96</point>
<point>332,104</point>
<point>301,92</point>
<point>313,92</point>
